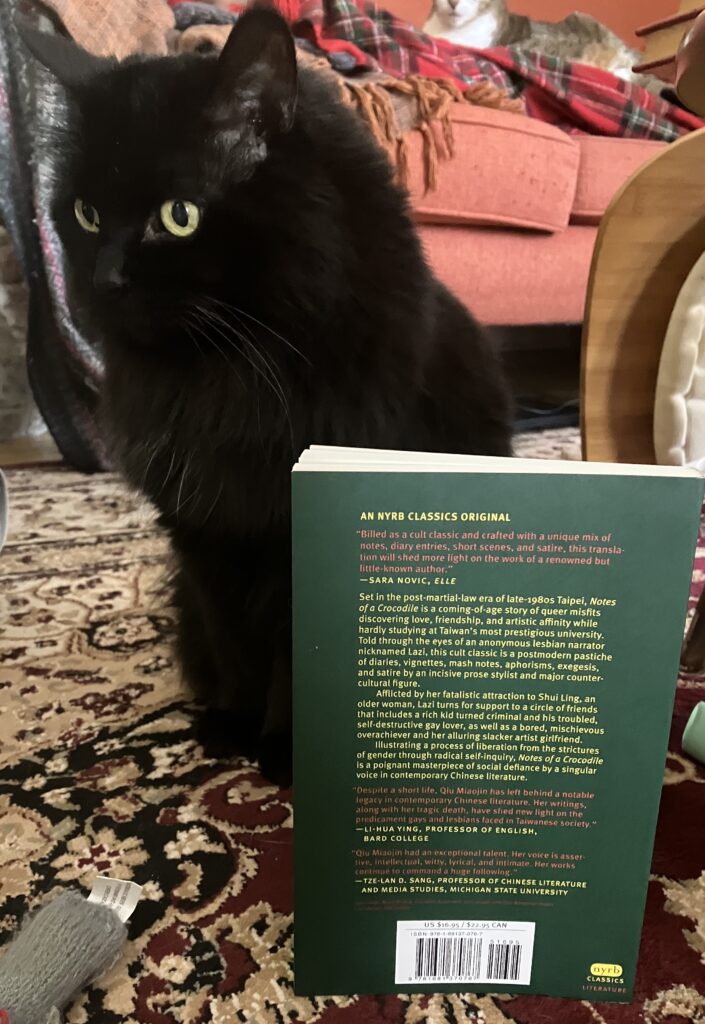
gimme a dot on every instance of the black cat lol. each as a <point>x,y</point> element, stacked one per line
<point>237,244</point>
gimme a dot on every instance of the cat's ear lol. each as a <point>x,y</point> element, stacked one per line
<point>256,74</point>
<point>66,61</point>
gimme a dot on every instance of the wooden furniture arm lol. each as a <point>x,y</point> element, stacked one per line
<point>650,237</point>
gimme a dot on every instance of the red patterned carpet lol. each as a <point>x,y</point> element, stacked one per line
<point>100,773</point>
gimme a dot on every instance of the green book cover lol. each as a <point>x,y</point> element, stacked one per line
<point>485,659</point>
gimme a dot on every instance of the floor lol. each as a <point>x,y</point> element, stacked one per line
<point>28,451</point>
<point>100,773</point>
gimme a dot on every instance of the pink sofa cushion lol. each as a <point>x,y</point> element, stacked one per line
<point>512,171</point>
<point>508,171</point>
<point>605,165</point>
<point>514,277</point>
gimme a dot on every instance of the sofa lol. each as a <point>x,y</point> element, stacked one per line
<point>512,222</point>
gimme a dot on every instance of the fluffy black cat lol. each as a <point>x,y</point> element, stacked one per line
<point>237,243</point>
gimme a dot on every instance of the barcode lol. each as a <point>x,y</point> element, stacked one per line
<point>451,952</point>
<point>504,961</point>
<point>456,959</point>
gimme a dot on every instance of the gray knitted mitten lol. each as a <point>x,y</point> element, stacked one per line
<point>58,950</point>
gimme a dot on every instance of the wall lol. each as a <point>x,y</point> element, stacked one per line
<point>621,15</point>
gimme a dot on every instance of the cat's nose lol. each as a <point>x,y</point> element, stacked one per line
<point>112,281</point>
<point>109,274</point>
<point>453,4</point>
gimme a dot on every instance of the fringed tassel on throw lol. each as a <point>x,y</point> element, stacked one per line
<point>430,101</point>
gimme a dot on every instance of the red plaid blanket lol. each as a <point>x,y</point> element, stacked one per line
<point>573,96</point>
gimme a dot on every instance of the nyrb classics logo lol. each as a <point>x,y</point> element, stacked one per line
<point>600,972</point>
<point>4,1017</point>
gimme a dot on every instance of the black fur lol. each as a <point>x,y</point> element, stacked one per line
<point>301,311</point>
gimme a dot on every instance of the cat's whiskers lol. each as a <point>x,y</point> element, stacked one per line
<point>241,312</point>
<point>168,472</point>
<point>201,324</point>
<point>270,372</point>
<point>197,325</point>
<point>157,446</point>
<point>249,340</point>
<point>181,485</point>
<point>280,390</point>
<point>187,327</point>
<point>267,372</point>
<point>179,503</point>
<point>213,503</point>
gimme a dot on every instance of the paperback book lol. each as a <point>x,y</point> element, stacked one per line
<point>485,660</point>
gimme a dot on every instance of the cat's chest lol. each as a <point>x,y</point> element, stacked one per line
<point>231,490</point>
<point>200,464</point>
<point>483,31</point>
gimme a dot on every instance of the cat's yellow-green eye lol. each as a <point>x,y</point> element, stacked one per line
<point>179,217</point>
<point>87,216</point>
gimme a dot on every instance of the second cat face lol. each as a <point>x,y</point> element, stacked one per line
<point>463,12</point>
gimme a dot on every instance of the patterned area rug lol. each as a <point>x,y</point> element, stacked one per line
<point>100,773</point>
